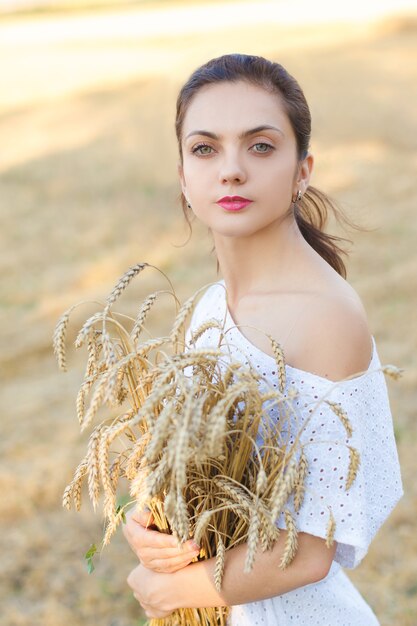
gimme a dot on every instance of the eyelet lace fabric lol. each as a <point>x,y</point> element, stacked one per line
<point>359,512</point>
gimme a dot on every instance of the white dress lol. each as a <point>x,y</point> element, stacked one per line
<point>359,512</point>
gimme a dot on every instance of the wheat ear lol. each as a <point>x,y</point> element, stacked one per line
<point>112,525</point>
<point>59,338</point>
<point>200,330</point>
<point>331,527</point>
<point>103,461</point>
<point>392,371</point>
<point>342,415</point>
<point>201,525</point>
<point>253,538</point>
<point>96,401</point>
<point>220,560</point>
<point>354,463</point>
<point>114,472</point>
<point>109,352</point>
<point>282,488</point>
<point>299,485</point>
<point>181,317</point>
<point>74,488</point>
<point>121,285</point>
<point>86,329</point>
<point>141,317</point>
<point>93,466</point>
<point>261,481</point>
<point>280,361</point>
<point>291,541</point>
<point>135,455</point>
<point>182,520</point>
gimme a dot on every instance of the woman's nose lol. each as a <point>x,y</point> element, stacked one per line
<point>232,169</point>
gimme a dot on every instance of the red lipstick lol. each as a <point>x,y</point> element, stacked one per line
<point>233,203</point>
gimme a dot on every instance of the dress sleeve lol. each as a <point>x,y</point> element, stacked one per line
<point>360,511</point>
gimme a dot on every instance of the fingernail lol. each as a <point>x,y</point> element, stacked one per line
<point>195,546</point>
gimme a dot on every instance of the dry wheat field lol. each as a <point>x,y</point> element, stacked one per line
<point>88,187</point>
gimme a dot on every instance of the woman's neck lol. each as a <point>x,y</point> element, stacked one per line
<point>272,259</point>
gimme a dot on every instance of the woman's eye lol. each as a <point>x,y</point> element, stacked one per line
<point>265,145</point>
<point>197,149</point>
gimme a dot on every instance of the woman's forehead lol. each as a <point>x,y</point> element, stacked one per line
<point>237,105</point>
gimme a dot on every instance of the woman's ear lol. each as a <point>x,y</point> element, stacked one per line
<point>181,176</point>
<point>305,171</point>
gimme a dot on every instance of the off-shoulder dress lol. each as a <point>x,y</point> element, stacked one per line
<point>359,512</point>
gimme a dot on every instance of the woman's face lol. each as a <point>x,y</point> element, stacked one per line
<point>259,165</point>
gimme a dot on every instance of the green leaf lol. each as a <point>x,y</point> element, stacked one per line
<point>89,557</point>
<point>91,551</point>
<point>123,514</point>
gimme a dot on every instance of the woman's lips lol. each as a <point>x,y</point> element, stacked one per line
<point>234,205</point>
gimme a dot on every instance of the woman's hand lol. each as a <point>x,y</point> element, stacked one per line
<point>151,590</point>
<point>156,550</point>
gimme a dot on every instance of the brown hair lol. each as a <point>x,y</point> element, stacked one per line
<point>311,213</point>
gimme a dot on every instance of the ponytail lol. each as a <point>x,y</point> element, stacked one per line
<point>311,215</point>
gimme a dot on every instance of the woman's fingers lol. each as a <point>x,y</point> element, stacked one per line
<point>156,550</point>
<point>148,538</point>
<point>144,518</point>
<point>166,559</point>
<point>170,565</point>
<point>163,550</point>
<point>155,547</point>
<point>137,533</point>
<point>141,537</point>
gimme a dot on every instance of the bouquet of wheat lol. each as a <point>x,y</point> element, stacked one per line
<point>188,438</point>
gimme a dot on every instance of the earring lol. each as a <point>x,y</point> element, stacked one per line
<point>188,204</point>
<point>298,196</point>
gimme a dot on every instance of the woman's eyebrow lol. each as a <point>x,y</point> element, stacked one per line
<point>245,133</point>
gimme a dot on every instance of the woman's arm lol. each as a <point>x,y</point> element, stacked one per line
<point>193,585</point>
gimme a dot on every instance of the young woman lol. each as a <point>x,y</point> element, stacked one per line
<point>243,128</point>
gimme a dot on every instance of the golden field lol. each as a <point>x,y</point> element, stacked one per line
<point>89,187</point>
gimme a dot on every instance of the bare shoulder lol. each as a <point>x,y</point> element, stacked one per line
<point>333,339</point>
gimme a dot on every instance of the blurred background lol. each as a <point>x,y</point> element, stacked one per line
<point>88,187</point>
